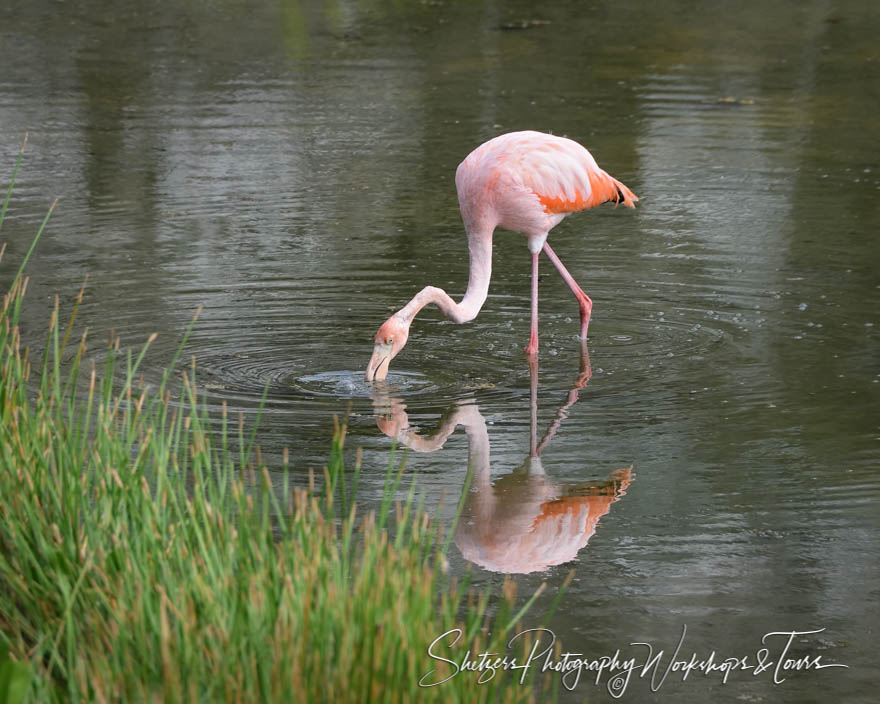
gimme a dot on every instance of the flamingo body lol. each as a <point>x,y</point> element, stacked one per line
<point>529,181</point>
<point>522,181</point>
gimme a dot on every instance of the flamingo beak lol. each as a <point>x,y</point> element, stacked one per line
<point>377,368</point>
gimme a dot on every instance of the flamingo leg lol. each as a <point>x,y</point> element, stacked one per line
<point>583,299</point>
<point>534,450</point>
<point>532,348</point>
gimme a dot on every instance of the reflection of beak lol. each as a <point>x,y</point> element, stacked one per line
<point>377,369</point>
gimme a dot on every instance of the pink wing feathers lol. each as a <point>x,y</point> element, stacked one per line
<point>566,178</point>
<point>528,181</point>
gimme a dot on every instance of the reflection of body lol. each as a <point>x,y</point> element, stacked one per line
<point>524,522</point>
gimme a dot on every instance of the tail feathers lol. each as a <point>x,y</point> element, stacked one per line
<point>607,189</point>
<point>624,195</point>
<point>603,188</point>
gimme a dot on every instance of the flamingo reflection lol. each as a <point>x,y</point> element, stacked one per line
<point>524,521</point>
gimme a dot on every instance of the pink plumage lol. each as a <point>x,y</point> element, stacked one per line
<point>529,181</point>
<point>522,181</point>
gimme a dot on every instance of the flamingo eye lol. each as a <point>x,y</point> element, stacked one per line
<point>389,340</point>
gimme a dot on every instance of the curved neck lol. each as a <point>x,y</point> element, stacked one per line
<point>480,249</point>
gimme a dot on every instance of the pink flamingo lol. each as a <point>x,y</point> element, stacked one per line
<point>522,181</point>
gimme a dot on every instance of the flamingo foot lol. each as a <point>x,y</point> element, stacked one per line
<point>586,310</point>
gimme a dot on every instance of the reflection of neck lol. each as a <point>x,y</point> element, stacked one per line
<point>392,419</point>
<point>480,248</point>
<point>478,448</point>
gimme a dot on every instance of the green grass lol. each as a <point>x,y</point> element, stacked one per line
<point>143,559</point>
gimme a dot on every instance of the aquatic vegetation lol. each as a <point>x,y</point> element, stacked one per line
<point>147,553</point>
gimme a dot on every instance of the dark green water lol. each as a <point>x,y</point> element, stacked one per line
<point>290,167</point>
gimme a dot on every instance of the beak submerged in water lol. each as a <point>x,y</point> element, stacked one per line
<point>377,368</point>
<point>388,342</point>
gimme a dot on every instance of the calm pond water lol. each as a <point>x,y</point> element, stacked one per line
<point>289,166</point>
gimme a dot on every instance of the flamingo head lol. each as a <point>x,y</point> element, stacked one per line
<point>389,341</point>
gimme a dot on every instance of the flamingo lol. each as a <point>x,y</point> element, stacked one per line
<point>522,181</point>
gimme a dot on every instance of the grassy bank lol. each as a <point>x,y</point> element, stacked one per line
<point>141,559</point>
